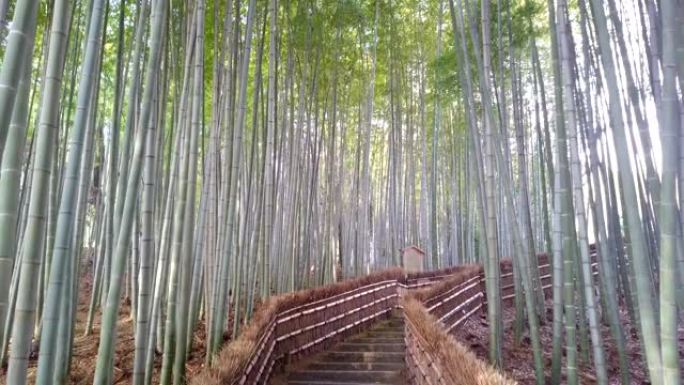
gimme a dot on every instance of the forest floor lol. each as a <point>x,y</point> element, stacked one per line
<point>518,358</point>
<point>85,348</point>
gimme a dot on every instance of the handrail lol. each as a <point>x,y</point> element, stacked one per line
<point>434,356</point>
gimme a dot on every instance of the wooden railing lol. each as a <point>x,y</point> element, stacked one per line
<point>306,322</point>
<point>300,329</point>
<point>433,356</point>
<point>431,315</point>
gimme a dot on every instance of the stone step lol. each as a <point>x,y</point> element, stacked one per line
<point>341,356</point>
<point>382,366</point>
<point>375,347</point>
<point>396,318</point>
<point>384,333</point>
<point>390,324</point>
<point>378,340</point>
<point>346,376</point>
<point>373,357</point>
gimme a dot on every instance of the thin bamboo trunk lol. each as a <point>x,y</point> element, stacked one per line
<point>670,132</point>
<point>107,338</point>
<point>21,35</point>
<point>644,284</point>
<point>34,236</point>
<point>570,112</point>
<point>10,178</point>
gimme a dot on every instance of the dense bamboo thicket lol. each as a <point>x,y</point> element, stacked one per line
<point>177,162</point>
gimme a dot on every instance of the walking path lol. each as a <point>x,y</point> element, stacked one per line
<point>375,356</point>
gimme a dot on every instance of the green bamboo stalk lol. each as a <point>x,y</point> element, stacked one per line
<point>21,35</point>
<point>10,178</point>
<point>253,226</point>
<point>7,323</point>
<point>229,230</point>
<point>71,268</point>
<point>171,325</point>
<point>605,256</point>
<point>180,354</point>
<point>152,186</point>
<point>172,229</point>
<point>214,266</point>
<point>199,256</point>
<point>489,123</point>
<point>147,252</point>
<point>162,264</point>
<point>106,349</point>
<point>680,67</point>
<point>570,113</point>
<point>133,97</point>
<point>170,328</point>
<point>644,284</point>
<point>240,120</point>
<point>474,136</point>
<point>270,147</point>
<point>527,259</point>
<point>34,236</point>
<point>4,8</point>
<point>233,137</point>
<point>560,197</point>
<point>68,203</point>
<point>669,134</point>
<point>98,272</point>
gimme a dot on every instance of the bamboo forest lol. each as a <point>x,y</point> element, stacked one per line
<point>332,192</point>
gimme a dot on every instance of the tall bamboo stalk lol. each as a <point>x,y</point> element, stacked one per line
<point>670,132</point>
<point>21,35</point>
<point>10,183</point>
<point>106,348</point>
<point>644,284</point>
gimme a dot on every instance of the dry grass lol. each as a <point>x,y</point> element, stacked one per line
<point>460,275</point>
<point>457,364</point>
<point>434,273</point>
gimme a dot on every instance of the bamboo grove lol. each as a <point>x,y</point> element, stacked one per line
<point>175,162</point>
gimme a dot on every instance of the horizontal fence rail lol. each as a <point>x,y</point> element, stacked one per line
<point>431,351</point>
<point>301,328</point>
<point>421,362</point>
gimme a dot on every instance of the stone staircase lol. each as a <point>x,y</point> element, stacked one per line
<point>372,357</point>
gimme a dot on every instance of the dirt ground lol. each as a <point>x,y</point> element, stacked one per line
<point>86,346</point>
<point>518,358</point>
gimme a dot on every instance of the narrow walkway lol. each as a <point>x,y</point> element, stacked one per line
<point>372,357</point>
